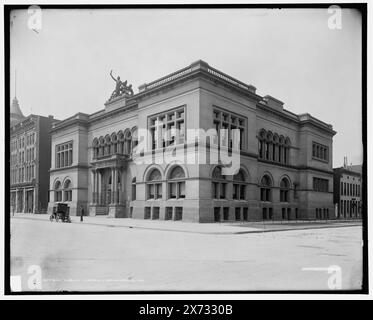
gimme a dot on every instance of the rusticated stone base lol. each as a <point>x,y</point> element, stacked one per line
<point>97,210</point>
<point>118,211</point>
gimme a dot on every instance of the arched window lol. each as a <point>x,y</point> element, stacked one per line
<point>102,146</point>
<point>275,147</point>
<point>114,141</point>
<point>268,145</point>
<point>154,184</point>
<point>134,139</point>
<point>119,181</point>
<point>57,191</point>
<point>265,188</point>
<point>95,148</point>
<point>262,135</point>
<point>127,143</point>
<point>284,190</point>
<point>67,191</point>
<point>120,144</point>
<point>134,189</point>
<point>281,149</point>
<point>239,186</point>
<point>107,145</point>
<point>287,150</point>
<point>219,184</point>
<point>176,186</point>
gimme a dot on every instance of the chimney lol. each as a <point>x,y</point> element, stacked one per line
<point>345,162</point>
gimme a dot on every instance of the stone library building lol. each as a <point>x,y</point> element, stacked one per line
<point>285,159</point>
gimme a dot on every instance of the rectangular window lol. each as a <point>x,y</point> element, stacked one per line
<point>235,191</point>
<point>155,213</point>
<point>270,213</point>
<point>133,190</point>
<point>237,213</point>
<point>68,195</point>
<point>222,190</point>
<point>215,192</point>
<point>226,213</point>
<point>320,152</point>
<point>151,193</point>
<point>242,191</point>
<point>283,212</point>
<point>295,191</point>
<point>158,191</point>
<point>320,185</point>
<point>173,190</point>
<point>217,214</point>
<point>176,190</point>
<point>58,196</point>
<point>265,194</point>
<point>168,213</point>
<point>64,154</point>
<point>178,213</point>
<point>147,213</point>
<point>229,122</point>
<point>172,123</point>
<point>154,190</point>
<point>239,191</point>
<point>264,212</point>
<point>245,214</point>
<point>181,189</point>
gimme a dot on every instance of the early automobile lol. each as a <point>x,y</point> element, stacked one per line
<point>60,213</point>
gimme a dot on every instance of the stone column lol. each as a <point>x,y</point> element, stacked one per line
<point>16,205</point>
<point>98,187</point>
<point>270,147</point>
<point>119,174</point>
<point>34,201</point>
<point>116,186</point>
<point>112,185</point>
<point>117,170</point>
<point>24,200</point>
<point>94,190</point>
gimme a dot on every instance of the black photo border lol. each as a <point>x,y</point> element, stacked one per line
<point>361,7</point>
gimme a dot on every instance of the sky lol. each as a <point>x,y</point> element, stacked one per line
<point>291,54</point>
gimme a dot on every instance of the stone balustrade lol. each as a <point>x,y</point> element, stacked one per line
<point>198,65</point>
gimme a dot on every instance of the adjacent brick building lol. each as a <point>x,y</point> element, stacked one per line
<point>348,191</point>
<point>29,161</point>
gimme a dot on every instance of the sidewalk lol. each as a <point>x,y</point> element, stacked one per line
<point>202,228</point>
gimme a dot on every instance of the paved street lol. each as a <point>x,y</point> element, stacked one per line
<point>107,256</point>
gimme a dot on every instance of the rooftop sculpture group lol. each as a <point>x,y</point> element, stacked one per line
<point>121,88</point>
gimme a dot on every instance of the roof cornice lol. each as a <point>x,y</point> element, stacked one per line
<point>195,70</point>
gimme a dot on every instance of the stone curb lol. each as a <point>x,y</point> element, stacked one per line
<point>202,232</point>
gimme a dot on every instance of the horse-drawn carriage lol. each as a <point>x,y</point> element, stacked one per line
<point>60,213</point>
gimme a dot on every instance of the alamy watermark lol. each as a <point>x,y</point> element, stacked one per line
<point>335,18</point>
<point>35,19</point>
<point>34,280</point>
<point>199,146</point>
<point>334,280</point>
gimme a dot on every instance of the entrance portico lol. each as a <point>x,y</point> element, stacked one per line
<point>108,187</point>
